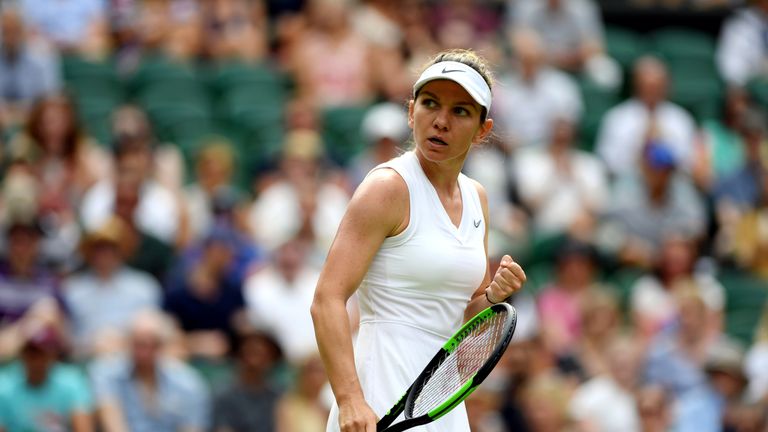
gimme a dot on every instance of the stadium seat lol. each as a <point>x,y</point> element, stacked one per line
<point>746,296</point>
<point>159,71</point>
<point>597,100</point>
<point>624,45</point>
<point>225,78</point>
<point>758,90</point>
<point>341,132</point>
<point>683,43</point>
<point>696,86</point>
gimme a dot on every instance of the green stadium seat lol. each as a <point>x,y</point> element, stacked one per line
<point>746,296</point>
<point>597,101</point>
<point>624,45</point>
<point>697,86</point>
<point>758,90</point>
<point>683,43</point>
<point>160,71</point>
<point>341,132</point>
<point>95,116</point>
<point>225,78</point>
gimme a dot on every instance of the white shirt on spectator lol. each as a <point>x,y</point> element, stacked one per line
<point>282,307</point>
<point>742,49</point>
<point>157,212</point>
<point>525,110</point>
<point>757,373</point>
<point>276,215</point>
<point>651,300</point>
<point>560,197</point>
<point>624,128</point>
<point>605,406</point>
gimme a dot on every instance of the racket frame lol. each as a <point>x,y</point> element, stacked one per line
<point>407,401</point>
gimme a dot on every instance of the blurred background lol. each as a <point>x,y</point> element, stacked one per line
<point>173,173</point>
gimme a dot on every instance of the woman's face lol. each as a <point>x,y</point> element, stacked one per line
<point>446,121</point>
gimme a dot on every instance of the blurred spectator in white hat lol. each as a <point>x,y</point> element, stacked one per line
<point>741,53</point>
<point>385,130</point>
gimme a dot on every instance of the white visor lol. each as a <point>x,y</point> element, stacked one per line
<point>464,75</point>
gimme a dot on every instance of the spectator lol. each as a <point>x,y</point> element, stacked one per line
<point>548,93</point>
<point>235,30</point>
<point>303,201</point>
<point>545,401</point>
<point>721,152</point>
<point>146,390</point>
<point>646,117</point>
<point>27,71</point>
<point>205,300</point>
<point>676,362</point>
<point>285,288</point>
<point>655,409</point>
<point>64,163</point>
<point>64,23</point>
<point>749,243</point>
<point>302,410</point>
<point>653,301</point>
<point>647,207</point>
<point>740,50</point>
<point>571,30</point>
<point>215,169</point>
<point>385,129</point>
<point>754,362</point>
<point>103,299</point>
<point>614,389</point>
<point>157,213</point>
<point>24,281</point>
<point>560,303</point>
<point>250,404</point>
<point>332,64</point>
<point>38,393</point>
<point>601,324</point>
<point>566,189</point>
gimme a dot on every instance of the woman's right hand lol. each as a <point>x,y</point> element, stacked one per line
<point>357,416</point>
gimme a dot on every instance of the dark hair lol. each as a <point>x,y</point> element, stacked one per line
<point>469,58</point>
<point>35,123</point>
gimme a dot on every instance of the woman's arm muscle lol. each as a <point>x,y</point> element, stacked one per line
<point>378,209</point>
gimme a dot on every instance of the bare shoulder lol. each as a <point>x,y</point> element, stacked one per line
<point>381,198</point>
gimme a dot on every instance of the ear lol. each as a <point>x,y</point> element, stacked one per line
<point>483,131</point>
<point>410,113</point>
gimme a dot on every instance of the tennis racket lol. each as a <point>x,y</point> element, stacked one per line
<point>456,370</point>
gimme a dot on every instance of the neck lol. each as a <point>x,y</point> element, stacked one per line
<point>444,176</point>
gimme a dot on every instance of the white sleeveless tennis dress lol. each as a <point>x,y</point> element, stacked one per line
<point>413,297</point>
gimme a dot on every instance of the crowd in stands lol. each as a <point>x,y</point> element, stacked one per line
<point>172,173</point>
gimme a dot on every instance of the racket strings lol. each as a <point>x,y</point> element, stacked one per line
<point>460,365</point>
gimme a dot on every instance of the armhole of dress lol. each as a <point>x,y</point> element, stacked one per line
<point>468,185</point>
<point>406,233</point>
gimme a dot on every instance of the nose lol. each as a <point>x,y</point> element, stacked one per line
<point>441,120</point>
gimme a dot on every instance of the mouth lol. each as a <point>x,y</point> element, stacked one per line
<point>438,141</point>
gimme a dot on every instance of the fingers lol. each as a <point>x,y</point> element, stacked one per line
<point>509,278</point>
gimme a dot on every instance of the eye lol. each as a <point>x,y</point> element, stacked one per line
<point>460,111</point>
<point>429,103</point>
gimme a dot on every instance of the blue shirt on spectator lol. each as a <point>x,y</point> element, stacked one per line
<point>181,399</point>
<point>45,408</point>
<point>17,294</point>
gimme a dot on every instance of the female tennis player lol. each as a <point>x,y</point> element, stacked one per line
<point>413,243</point>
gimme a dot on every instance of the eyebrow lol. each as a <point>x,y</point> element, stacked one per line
<point>434,96</point>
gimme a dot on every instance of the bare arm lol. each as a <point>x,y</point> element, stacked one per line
<point>378,209</point>
<point>82,422</point>
<point>111,417</point>
<point>509,278</point>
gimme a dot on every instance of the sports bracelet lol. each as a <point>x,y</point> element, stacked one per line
<point>489,299</point>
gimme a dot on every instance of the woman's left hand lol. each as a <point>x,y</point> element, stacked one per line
<point>509,278</point>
